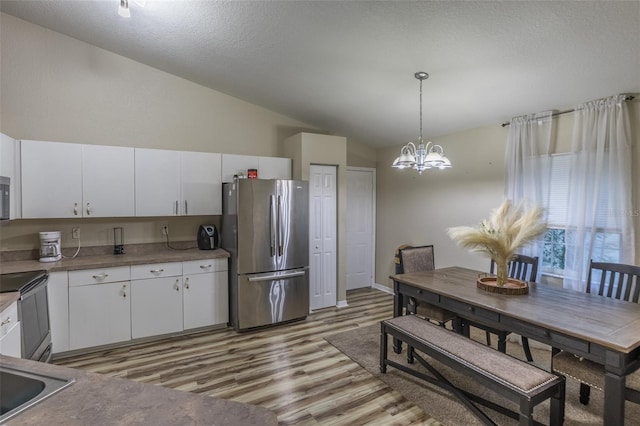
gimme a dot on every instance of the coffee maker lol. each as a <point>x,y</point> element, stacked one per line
<point>50,246</point>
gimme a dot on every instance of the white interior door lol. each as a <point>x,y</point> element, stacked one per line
<point>322,236</point>
<point>360,227</point>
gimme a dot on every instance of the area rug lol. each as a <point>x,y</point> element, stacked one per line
<point>362,346</point>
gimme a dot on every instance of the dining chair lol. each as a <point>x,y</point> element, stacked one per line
<point>524,268</point>
<point>618,281</point>
<point>418,259</point>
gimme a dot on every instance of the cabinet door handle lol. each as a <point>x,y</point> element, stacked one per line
<point>75,209</point>
<point>100,276</point>
<point>186,208</point>
<point>176,207</point>
<point>88,209</point>
<point>124,291</point>
<point>206,266</point>
<point>177,285</point>
<point>156,271</point>
<point>186,283</point>
<point>5,322</point>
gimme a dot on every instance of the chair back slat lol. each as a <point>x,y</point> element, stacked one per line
<point>615,280</point>
<point>521,267</point>
<point>417,259</point>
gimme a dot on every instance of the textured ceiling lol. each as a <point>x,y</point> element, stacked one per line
<point>347,66</point>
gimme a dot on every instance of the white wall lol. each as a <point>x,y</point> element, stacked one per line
<point>57,88</point>
<point>416,210</point>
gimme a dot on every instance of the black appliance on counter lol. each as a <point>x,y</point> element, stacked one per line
<point>208,238</point>
<point>33,312</point>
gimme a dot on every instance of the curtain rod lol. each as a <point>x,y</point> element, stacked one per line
<point>567,111</point>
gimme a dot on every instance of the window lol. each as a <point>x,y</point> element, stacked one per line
<point>607,243</point>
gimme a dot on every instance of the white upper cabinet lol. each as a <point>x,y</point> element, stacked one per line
<point>170,183</point>
<point>51,179</point>
<point>67,180</point>
<point>268,167</point>
<point>237,164</point>
<point>157,180</point>
<point>201,183</point>
<point>274,168</point>
<point>107,181</point>
<point>9,168</point>
<point>64,180</point>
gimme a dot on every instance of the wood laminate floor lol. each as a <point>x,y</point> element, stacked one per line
<point>289,369</point>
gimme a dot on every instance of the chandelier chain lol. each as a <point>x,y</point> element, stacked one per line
<point>421,110</point>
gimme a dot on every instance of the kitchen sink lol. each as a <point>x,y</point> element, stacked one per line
<point>21,389</point>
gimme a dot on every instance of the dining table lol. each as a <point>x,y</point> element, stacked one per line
<point>602,329</point>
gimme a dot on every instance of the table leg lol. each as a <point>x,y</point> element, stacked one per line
<point>614,390</point>
<point>397,311</point>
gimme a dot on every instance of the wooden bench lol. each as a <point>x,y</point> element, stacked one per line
<point>512,378</point>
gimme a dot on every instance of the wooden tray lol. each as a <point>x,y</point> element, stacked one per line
<point>489,283</point>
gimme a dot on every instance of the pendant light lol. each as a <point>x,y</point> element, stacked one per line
<point>123,10</point>
<point>424,156</point>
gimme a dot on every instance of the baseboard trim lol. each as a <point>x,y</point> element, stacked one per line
<point>383,288</point>
<point>342,304</point>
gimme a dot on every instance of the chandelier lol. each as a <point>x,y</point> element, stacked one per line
<point>124,11</point>
<point>424,156</point>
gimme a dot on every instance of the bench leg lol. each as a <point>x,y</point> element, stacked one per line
<point>526,413</point>
<point>383,348</point>
<point>556,415</point>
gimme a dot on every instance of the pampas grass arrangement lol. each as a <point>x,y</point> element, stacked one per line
<point>508,228</point>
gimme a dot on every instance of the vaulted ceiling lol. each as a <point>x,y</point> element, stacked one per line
<point>348,66</point>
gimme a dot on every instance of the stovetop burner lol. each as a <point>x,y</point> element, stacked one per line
<point>21,281</point>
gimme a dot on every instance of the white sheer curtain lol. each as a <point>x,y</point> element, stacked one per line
<point>528,163</point>
<point>599,216</point>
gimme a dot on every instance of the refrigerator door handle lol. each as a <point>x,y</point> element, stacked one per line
<point>272,277</point>
<point>272,224</point>
<point>280,226</point>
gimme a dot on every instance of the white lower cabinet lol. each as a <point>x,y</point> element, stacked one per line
<point>97,307</point>
<point>206,300</point>
<point>10,342</point>
<point>206,292</point>
<point>156,306</point>
<point>58,291</point>
<point>99,310</point>
<point>196,298</point>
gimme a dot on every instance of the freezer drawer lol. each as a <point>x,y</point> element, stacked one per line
<point>270,298</point>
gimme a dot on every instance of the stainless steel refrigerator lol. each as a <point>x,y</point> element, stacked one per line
<point>265,227</point>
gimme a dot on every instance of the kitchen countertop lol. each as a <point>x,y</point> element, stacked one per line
<point>6,299</point>
<point>157,255</point>
<point>95,399</point>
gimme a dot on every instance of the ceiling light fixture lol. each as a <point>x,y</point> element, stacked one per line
<point>425,156</point>
<point>123,10</point>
